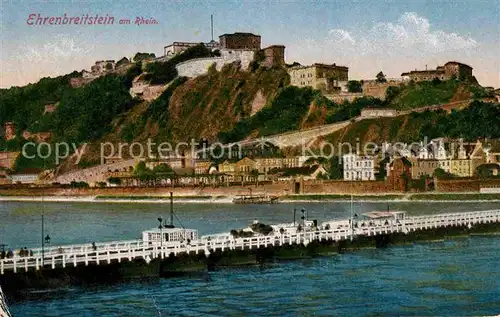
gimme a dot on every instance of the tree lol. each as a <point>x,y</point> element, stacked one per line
<point>143,56</point>
<point>114,180</point>
<point>336,170</point>
<point>381,77</point>
<point>440,173</point>
<point>391,93</point>
<point>486,170</point>
<point>142,172</point>
<point>436,81</point>
<point>354,86</point>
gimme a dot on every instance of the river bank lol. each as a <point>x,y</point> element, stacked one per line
<point>220,199</point>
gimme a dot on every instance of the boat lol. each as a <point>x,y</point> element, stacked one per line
<point>255,199</point>
<point>4,310</point>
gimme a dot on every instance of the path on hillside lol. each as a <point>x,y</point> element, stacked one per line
<point>302,137</point>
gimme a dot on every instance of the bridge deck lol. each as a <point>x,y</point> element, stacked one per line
<point>105,253</point>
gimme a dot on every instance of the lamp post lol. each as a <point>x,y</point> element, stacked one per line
<point>303,217</point>
<point>160,220</point>
<point>46,240</point>
<point>43,239</point>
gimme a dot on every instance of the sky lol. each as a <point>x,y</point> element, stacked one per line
<point>366,36</point>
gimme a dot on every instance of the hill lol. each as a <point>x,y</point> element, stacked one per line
<point>431,124</point>
<point>427,93</point>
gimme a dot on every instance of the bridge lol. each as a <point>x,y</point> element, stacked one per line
<point>108,252</point>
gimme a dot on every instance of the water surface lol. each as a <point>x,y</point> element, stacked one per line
<point>456,277</point>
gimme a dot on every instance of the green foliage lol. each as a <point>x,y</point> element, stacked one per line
<point>122,61</point>
<point>142,172</point>
<point>133,129</point>
<point>392,92</point>
<point>85,113</point>
<point>485,171</point>
<point>132,72</point>
<point>164,72</point>
<point>75,184</point>
<point>25,105</point>
<point>163,169</point>
<point>158,109</point>
<point>479,120</point>
<point>354,86</point>
<point>143,56</point>
<point>336,169</point>
<point>436,81</point>
<point>114,180</point>
<point>283,114</point>
<point>424,93</point>
<point>479,92</point>
<point>32,159</point>
<point>439,173</point>
<point>349,110</point>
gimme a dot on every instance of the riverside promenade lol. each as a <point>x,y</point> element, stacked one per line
<point>102,254</point>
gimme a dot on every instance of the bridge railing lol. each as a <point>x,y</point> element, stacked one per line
<point>118,250</point>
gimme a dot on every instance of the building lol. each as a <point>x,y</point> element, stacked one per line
<point>378,112</point>
<point>265,165</point>
<point>102,67</point>
<point>374,88</point>
<point>202,167</point>
<point>399,173</point>
<point>423,167</point>
<point>238,171</point>
<point>461,165</point>
<point>461,162</point>
<point>357,167</point>
<point>179,47</point>
<point>447,71</point>
<point>10,131</point>
<point>240,41</point>
<point>323,77</point>
<point>274,55</point>
<point>27,176</point>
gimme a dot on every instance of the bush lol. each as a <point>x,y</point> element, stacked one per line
<point>75,184</point>
<point>114,180</point>
<point>283,114</point>
<point>354,86</point>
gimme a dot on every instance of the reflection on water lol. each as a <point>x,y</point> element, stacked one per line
<point>457,277</point>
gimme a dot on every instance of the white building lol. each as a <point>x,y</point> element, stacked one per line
<point>358,167</point>
<point>28,178</point>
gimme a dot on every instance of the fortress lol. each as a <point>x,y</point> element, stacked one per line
<point>236,47</point>
<point>447,71</point>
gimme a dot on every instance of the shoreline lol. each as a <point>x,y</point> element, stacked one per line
<point>228,200</point>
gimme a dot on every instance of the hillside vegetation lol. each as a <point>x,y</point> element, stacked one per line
<point>415,126</point>
<point>428,93</point>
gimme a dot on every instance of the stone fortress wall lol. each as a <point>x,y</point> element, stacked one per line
<point>200,66</point>
<point>94,174</point>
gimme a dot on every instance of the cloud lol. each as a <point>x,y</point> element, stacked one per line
<point>414,32</point>
<point>61,47</point>
<point>51,57</point>
<point>408,35</point>
<point>339,35</point>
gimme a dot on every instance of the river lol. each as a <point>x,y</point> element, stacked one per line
<point>455,277</point>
